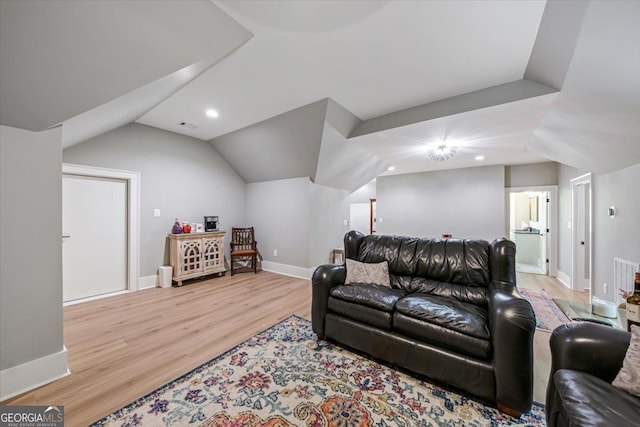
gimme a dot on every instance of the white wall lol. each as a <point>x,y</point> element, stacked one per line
<point>182,176</point>
<point>30,259</point>
<point>469,203</point>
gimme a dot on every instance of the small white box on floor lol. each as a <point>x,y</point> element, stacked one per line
<point>164,276</point>
<point>604,308</point>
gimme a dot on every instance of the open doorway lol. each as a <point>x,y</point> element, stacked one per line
<point>532,225</point>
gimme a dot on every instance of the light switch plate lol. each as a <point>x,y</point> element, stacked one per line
<point>156,213</point>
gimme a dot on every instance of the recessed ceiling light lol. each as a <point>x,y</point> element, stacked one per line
<point>212,113</point>
<point>478,158</point>
<point>391,168</point>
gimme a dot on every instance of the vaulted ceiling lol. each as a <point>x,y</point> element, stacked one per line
<point>311,88</point>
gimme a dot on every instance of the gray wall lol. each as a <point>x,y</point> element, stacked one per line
<point>529,175</point>
<point>183,177</point>
<point>282,147</point>
<point>303,221</point>
<point>618,237</point>
<point>364,193</point>
<point>279,211</point>
<point>565,175</point>
<point>470,203</point>
<point>30,245</point>
<point>329,208</point>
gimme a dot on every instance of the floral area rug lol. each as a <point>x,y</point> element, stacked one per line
<point>285,376</point>
<point>548,315</point>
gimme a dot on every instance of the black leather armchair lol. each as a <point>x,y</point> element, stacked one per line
<point>453,313</point>
<point>585,358</point>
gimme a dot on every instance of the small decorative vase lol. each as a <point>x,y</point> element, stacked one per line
<point>177,228</point>
<point>186,228</point>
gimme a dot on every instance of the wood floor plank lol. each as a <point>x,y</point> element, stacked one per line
<point>125,346</point>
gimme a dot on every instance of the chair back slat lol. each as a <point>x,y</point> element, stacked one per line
<point>242,238</point>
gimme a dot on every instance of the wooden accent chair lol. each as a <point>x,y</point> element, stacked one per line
<point>243,246</point>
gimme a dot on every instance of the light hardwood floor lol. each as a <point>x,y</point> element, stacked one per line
<point>125,346</point>
<point>541,352</point>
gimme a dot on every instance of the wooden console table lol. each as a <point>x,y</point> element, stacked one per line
<point>196,254</point>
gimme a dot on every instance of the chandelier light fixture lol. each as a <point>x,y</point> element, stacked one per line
<point>442,152</point>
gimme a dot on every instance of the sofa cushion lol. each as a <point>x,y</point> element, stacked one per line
<point>374,296</point>
<point>476,295</point>
<point>376,273</point>
<point>589,400</point>
<point>366,303</point>
<point>452,324</point>
<point>372,317</point>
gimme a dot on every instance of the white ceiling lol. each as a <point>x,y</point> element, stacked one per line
<point>372,58</point>
<point>384,62</point>
<point>61,58</point>
<point>499,133</point>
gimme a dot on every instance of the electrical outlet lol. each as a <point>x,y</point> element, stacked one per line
<point>606,288</point>
<point>275,252</point>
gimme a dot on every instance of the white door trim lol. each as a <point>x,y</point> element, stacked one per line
<point>133,214</point>
<point>581,180</point>
<point>552,221</point>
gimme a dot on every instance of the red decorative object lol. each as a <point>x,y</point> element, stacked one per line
<point>186,228</point>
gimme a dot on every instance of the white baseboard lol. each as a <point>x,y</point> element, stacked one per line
<point>288,270</point>
<point>147,282</point>
<point>22,378</point>
<point>564,279</point>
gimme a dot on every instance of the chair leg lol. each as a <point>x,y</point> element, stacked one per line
<point>255,264</point>
<point>231,258</point>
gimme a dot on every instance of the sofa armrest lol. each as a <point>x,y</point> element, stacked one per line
<point>583,346</point>
<point>512,323</point>
<point>324,278</point>
<point>589,347</point>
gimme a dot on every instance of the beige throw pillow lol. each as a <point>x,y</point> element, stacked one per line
<point>628,379</point>
<point>363,272</point>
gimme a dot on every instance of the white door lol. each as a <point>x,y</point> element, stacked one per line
<point>94,224</point>
<point>544,226</point>
<point>581,236</point>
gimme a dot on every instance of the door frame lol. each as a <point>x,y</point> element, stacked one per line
<point>581,180</point>
<point>132,180</point>
<point>552,221</point>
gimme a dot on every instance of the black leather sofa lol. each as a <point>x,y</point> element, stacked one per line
<point>453,313</point>
<point>585,358</point>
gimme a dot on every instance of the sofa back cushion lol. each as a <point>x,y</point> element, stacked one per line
<point>457,268</point>
<point>460,261</point>
<point>398,251</point>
